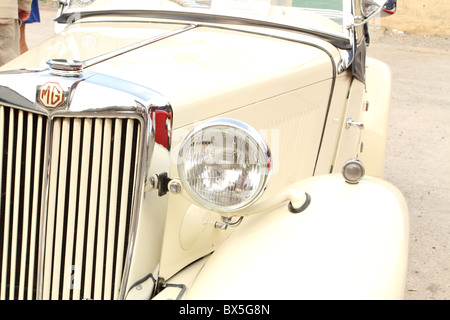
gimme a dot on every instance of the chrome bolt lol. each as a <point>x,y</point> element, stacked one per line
<point>175,187</point>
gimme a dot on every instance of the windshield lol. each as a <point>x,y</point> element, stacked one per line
<point>326,15</point>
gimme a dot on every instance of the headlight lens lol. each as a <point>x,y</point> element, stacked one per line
<point>224,165</point>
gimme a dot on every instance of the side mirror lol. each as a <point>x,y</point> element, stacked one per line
<point>390,6</point>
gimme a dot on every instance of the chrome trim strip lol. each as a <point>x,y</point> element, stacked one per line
<point>22,70</point>
<point>66,68</point>
<point>93,61</point>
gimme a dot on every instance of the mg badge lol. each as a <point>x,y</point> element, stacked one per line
<point>51,95</point>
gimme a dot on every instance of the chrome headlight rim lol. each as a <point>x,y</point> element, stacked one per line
<point>262,150</point>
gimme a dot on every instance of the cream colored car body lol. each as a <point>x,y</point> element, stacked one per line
<point>350,242</point>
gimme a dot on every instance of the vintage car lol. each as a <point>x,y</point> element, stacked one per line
<point>231,149</point>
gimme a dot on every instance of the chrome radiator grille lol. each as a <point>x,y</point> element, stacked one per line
<point>84,185</point>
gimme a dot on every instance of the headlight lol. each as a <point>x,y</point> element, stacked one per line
<point>224,165</point>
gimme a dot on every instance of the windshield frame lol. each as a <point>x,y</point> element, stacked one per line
<point>70,14</point>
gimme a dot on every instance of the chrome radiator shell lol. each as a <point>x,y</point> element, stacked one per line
<point>72,182</point>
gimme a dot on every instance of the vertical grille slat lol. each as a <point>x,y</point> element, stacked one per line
<point>27,213</point>
<point>127,183</point>
<point>22,142</point>
<point>102,209</point>
<point>93,201</point>
<point>114,186</point>
<point>82,206</point>
<point>60,195</point>
<point>15,189</point>
<point>79,245</point>
<point>2,204</point>
<point>51,216</point>
<point>7,168</point>
<point>38,177</point>
<point>72,206</point>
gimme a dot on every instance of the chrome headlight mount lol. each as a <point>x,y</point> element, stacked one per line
<point>224,165</point>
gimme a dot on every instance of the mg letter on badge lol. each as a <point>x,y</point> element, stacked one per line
<point>51,95</point>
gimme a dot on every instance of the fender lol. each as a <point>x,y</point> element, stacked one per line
<point>376,116</point>
<point>350,243</point>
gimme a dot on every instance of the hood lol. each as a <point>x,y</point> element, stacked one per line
<point>205,71</point>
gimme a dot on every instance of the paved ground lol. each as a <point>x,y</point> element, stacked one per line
<point>418,155</point>
<point>419,151</point>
